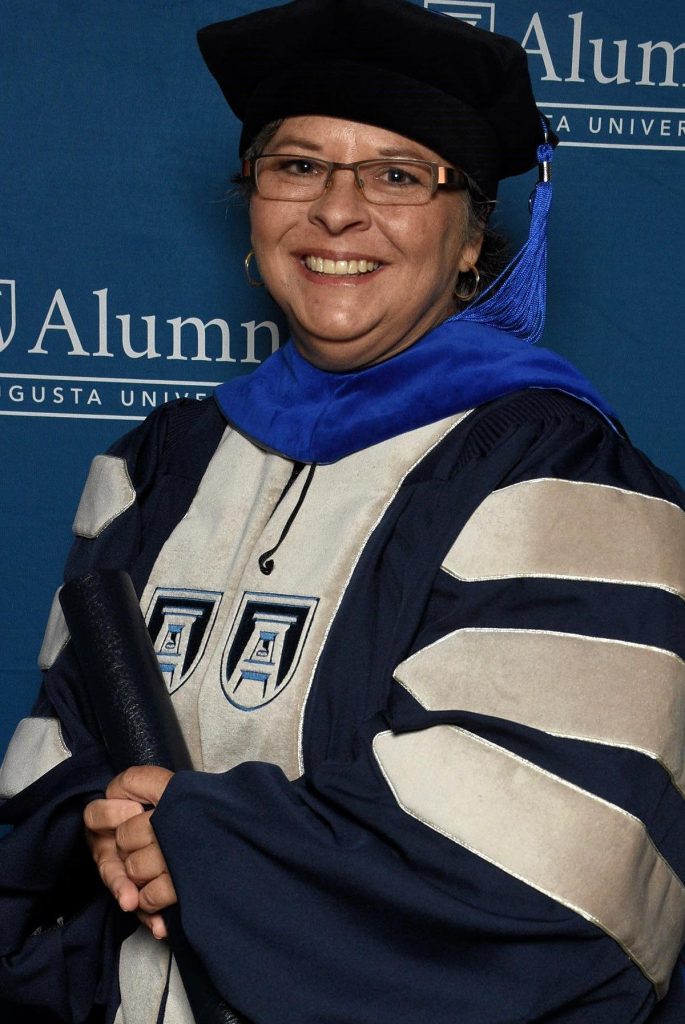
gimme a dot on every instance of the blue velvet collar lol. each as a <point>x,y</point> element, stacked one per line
<point>311,415</point>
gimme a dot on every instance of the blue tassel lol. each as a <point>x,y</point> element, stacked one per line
<point>516,301</point>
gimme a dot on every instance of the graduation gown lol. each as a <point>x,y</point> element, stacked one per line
<point>430,669</point>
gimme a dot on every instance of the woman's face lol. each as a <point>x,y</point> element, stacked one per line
<point>343,322</point>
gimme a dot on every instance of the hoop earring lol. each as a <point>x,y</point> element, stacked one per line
<point>473,291</point>
<point>253,283</point>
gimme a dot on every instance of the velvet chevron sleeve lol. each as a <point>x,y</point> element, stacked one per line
<point>56,920</point>
<point>60,930</point>
<point>491,823</point>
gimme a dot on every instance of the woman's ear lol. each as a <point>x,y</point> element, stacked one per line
<point>470,253</point>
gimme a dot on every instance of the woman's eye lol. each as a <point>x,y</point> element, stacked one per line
<point>302,168</point>
<point>398,176</point>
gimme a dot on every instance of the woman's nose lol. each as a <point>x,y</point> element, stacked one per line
<point>342,204</point>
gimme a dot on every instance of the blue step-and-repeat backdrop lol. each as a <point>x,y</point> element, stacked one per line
<point>121,246</point>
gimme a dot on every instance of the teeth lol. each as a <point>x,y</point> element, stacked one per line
<point>340,268</point>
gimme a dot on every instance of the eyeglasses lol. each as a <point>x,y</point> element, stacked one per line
<point>301,179</point>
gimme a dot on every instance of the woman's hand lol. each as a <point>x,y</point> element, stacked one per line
<point>125,848</point>
<point>102,818</point>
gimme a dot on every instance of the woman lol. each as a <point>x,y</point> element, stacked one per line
<point>413,592</point>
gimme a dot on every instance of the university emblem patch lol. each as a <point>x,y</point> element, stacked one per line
<point>179,622</point>
<point>264,647</point>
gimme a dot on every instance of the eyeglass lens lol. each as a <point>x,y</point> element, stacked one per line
<point>388,182</point>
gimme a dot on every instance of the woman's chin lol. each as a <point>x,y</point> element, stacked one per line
<point>340,354</point>
<point>328,355</point>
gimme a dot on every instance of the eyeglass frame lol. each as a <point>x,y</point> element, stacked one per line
<point>441,176</point>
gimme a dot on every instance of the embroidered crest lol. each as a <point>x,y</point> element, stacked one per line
<point>264,647</point>
<point>180,622</point>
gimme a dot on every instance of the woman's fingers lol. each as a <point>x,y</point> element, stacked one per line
<point>113,871</point>
<point>145,864</point>
<point>103,816</point>
<point>157,894</point>
<point>134,833</point>
<point>155,922</point>
<point>125,848</point>
<point>144,783</point>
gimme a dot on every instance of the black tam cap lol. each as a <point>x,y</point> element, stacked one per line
<point>460,91</point>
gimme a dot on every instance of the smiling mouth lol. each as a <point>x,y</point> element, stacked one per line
<point>339,268</point>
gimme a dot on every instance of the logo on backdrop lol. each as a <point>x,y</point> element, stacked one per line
<point>180,623</point>
<point>96,334</point>
<point>264,647</point>
<point>598,92</point>
<point>8,313</point>
<point>481,15</point>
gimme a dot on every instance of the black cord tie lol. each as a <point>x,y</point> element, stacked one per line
<point>265,560</point>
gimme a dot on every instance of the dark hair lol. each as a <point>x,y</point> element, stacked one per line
<point>494,253</point>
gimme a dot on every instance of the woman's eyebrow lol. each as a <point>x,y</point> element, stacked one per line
<point>406,152</point>
<point>294,140</point>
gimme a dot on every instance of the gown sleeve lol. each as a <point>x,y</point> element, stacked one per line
<point>502,839</point>
<point>60,929</point>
